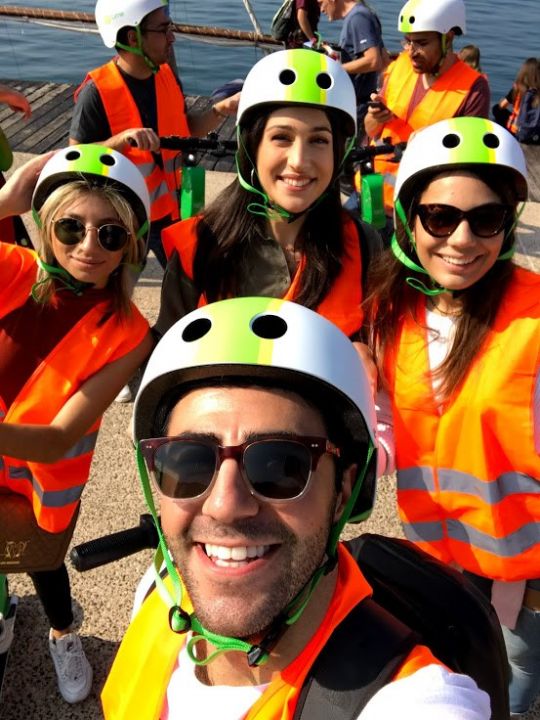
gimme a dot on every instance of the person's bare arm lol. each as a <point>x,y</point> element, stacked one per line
<point>371,61</point>
<point>305,25</point>
<point>16,100</point>
<point>200,124</point>
<point>16,194</point>
<point>49,443</point>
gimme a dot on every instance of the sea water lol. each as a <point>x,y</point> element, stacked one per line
<point>507,33</point>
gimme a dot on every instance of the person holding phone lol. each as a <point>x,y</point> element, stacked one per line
<point>362,48</point>
<point>425,84</point>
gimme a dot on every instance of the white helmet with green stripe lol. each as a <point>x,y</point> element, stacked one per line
<point>461,142</point>
<point>101,166</point>
<point>268,340</point>
<point>276,344</point>
<point>112,15</point>
<point>303,77</point>
<point>432,16</point>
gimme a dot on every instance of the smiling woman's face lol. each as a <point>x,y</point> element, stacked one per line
<point>87,261</point>
<point>458,261</point>
<point>295,158</point>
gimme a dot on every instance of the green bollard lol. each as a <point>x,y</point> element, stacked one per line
<point>192,192</point>
<point>372,200</point>
<point>6,156</point>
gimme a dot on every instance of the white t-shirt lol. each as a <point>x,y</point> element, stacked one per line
<point>432,693</point>
<point>441,331</point>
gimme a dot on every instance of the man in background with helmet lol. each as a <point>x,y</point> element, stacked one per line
<point>427,82</point>
<point>261,447</point>
<point>128,102</point>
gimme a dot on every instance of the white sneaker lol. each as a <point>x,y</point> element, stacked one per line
<point>124,396</point>
<point>73,670</point>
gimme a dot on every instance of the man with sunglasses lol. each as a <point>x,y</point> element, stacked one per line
<point>255,426</point>
<point>427,83</point>
<point>133,99</point>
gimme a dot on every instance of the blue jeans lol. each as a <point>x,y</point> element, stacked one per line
<point>523,648</point>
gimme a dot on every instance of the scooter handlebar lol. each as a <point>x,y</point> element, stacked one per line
<point>192,144</point>
<point>109,548</point>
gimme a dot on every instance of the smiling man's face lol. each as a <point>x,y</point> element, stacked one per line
<point>242,558</point>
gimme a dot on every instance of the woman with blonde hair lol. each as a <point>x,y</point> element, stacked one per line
<point>70,338</point>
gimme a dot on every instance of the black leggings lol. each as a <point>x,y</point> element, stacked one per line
<point>52,588</point>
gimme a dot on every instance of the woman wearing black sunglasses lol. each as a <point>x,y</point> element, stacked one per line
<point>70,338</point>
<point>456,336</point>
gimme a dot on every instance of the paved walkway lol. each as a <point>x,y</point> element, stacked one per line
<point>113,501</point>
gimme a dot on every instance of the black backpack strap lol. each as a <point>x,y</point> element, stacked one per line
<point>362,654</point>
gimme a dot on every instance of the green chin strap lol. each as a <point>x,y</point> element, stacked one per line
<point>180,621</point>
<point>54,272</point>
<point>139,51</point>
<point>267,208</point>
<point>416,283</point>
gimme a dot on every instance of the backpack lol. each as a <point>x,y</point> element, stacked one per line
<point>416,599</point>
<point>283,21</point>
<point>528,119</point>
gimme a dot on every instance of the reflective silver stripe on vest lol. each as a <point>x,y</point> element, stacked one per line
<point>146,168</point>
<point>509,546</point>
<point>423,531</point>
<point>491,493</point>
<point>536,413</point>
<point>1,463</point>
<point>48,498</point>
<point>416,478</point>
<point>526,537</point>
<point>162,189</point>
<point>170,165</point>
<point>85,445</point>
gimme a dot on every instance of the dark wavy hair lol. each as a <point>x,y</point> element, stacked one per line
<point>389,298</point>
<point>228,228</point>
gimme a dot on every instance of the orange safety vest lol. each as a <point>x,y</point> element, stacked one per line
<point>122,114</point>
<point>342,304</point>
<point>138,680</point>
<point>441,102</point>
<point>54,489</point>
<point>512,120</point>
<point>469,472</point>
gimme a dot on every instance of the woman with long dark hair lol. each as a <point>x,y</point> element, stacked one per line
<point>456,337</point>
<point>279,229</point>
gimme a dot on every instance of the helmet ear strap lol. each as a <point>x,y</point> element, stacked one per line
<point>413,282</point>
<point>138,50</point>
<point>268,209</point>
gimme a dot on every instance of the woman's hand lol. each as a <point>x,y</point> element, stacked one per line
<point>16,195</point>
<point>16,100</point>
